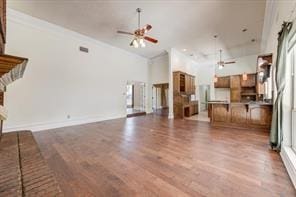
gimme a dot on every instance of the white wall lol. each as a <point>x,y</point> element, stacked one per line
<point>205,76</point>
<point>60,80</point>
<point>159,69</point>
<point>245,64</point>
<point>180,62</point>
<point>158,73</point>
<point>222,94</point>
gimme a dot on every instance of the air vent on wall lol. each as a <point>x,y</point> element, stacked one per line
<point>83,49</point>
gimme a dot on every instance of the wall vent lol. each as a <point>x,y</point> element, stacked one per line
<point>83,49</point>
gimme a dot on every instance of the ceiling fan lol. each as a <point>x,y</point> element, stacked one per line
<point>140,33</point>
<point>222,63</point>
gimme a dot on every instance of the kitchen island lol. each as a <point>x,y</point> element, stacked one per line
<point>249,115</point>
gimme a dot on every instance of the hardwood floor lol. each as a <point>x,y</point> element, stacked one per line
<point>153,156</point>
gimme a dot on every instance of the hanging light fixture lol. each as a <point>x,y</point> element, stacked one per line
<point>135,43</point>
<point>142,43</point>
<point>245,77</point>
<point>215,79</point>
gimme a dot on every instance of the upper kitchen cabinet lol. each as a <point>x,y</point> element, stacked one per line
<point>250,81</point>
<point>183,83</point>
<point>190,84</point>
<point>223,82</point>
<point>235,88</point>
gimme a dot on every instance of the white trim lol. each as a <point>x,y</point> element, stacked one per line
<point>289,159</point>
<point>52,125</point>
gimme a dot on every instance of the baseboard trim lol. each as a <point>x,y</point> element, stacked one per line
<point>289,159</point>
<point>53,125</point>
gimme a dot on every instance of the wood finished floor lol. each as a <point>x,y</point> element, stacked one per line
<point>152,156</point>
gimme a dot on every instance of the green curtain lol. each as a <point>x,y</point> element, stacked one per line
<point>276,134</point>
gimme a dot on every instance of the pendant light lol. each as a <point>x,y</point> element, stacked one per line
<point>245,76</point>
<point>215,79</point>
<point>215,76</point>
<point>135,43</point>
<point>142,43</point>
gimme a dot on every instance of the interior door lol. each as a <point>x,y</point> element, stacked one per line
<point>130,96</point>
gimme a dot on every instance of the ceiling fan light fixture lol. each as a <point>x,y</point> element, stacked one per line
<point>135,43</point>
<point>215,79</point>
<point>220,66</point>
<point>142,43</point>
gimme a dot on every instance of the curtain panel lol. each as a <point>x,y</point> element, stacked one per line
<point>276,133</point>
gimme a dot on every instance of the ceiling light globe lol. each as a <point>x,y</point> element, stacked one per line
<point>142,43</point>
<point>135,43</point>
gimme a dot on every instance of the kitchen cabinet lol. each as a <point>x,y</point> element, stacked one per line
<point>185,110</point>
<point>250,82</point>
<point>184,87</point>
<point>235,88</point>
<point>223,82</point>
<point>242,115</point>
<point>190,84</point>
<point>183,83</point>
<point>193,108</point>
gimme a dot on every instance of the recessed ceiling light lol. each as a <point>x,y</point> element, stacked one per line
<point>244,30</point>
<point>184,50</point>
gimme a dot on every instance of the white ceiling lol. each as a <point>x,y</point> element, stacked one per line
<point>180,24</point>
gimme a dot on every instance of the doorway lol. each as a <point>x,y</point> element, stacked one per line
<point>135,99</point>
<point>130,96</point>
<point>160,98</point>
<point>204,97</point>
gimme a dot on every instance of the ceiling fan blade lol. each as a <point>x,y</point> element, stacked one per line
<point>147,27</point>
<point>124,32</point>
<point>230,62</point>
<point>150,39</point>
<point>220,63</point>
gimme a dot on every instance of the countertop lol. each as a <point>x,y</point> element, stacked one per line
<point>240,103</point>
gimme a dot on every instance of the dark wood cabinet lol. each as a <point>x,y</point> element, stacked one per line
<point>184,87</point>
<point>235,88</point>
<point>242,115</point>
<point>193,108</point>
<point>250,82</point>
<point>223,82</point>
<point>240,90</point>
<point>183,83</point>
<point>260,116</point>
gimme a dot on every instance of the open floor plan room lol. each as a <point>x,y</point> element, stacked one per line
<point>148,98</point>
<point>154,156</point>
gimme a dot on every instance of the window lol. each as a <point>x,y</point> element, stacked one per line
<point>292,61</point>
